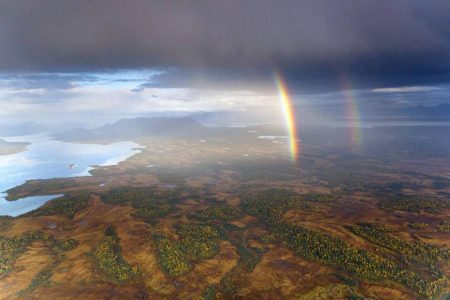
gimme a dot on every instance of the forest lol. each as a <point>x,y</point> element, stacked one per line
<point>67,205</point>
<point>110,261</point>
<point>196,241</point>
<point>411,253</point>
<point>413,203</point>
<point>269,207</point>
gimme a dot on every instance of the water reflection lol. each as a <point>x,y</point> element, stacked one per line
<point>45,158</point>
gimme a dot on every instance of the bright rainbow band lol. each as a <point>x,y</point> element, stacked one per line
<point>289,116</point>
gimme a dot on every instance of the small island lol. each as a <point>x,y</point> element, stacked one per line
<point>11,147</point>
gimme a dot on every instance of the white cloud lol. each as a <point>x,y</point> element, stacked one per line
<point>406,89</point>
<point>102,101</point>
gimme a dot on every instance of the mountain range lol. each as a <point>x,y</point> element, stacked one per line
<point>126,129</point>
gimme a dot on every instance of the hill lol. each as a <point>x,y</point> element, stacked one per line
<point>126,129</point>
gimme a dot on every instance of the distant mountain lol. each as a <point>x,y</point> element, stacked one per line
<point>134,128</point>
<point>21,129</point>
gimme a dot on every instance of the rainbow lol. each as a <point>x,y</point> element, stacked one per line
<point>289,117</point>
<point>352,113</point>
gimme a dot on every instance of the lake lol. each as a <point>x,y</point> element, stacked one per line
<point>46,158</point>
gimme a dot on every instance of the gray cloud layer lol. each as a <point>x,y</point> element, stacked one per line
<point>402,38</point>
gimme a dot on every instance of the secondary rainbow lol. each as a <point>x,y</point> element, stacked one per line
<point>352,112</point>
<point>288,113</point>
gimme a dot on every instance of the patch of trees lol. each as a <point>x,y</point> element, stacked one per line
<point>327,249</point>
<point>171,257</point>
<point>41,187</point>
<point>67,245</point>
<point>147,203</point>
<point>411,253</point>
<point>110,261</point>
<point>444,226</point>
<point>412,203</point>
<point>12,247</point>
<point>249,257</point>
<point>317,246</point>
<point>382,227</point>
<point>129,195</point>
<point>320,197</point>
<point>273,203</point>
<point>220,212</point>
<point>418,225</point>
<point>41,279</point>
<point>197,241</point>
<point>210,292</point>
<point>67,205</point>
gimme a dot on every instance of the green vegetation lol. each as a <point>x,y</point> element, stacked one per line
<point>42,187</point>
<point>129,195</point>
<point>197,241</point>
<point>413,203</point>
<point>199,249</point>
<point>444,226</point>
<point>55,248</point>
<point>41,279</point>
<point>269,238</point>
<point>11,248</point>
<point>147,203</point>
<point>357,262</point>
<point>412,253</point>
<point>273,203</point>
<point>171,257</point>
<point>320,197</point>
<point>201,232</point>
<point>383,227</point>
<point>69,227</point>
<point>220,212</point>
<point>210,292</point>
<point>346,280</point>
<point>67,245</point>
<point>110,261</point>
<point>67,205</point>
<point>249,257</point>
<point>270,206</point>
<point>418,225</point>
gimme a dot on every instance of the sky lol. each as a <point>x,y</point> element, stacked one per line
<point>100,60</point>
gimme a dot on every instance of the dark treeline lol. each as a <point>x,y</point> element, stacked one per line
<point>148,204</point>
<point>270,206</point>
<point>410,253</point>
<point>67,205</point>
<point>413,203</point>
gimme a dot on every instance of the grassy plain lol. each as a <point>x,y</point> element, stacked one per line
<point>183,228</point>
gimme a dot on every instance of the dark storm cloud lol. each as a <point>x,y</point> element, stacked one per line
<point>400,41</point>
